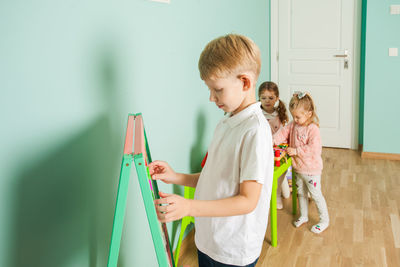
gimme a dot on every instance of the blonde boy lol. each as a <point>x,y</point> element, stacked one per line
<point>233,190</point>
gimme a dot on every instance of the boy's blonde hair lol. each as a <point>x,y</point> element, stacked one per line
<point>229,54</point>
<point>305,101</point>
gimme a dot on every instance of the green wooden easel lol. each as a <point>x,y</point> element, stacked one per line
<point>141,157</point>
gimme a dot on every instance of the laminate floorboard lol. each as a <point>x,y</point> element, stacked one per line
<point>363,198</point>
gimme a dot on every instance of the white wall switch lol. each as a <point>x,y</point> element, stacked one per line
<point>393,52</point>
<point>394,9</point>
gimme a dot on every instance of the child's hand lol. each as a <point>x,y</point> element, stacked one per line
<point>177,207</point>
<point>160,170</point>
<point>291,151</point>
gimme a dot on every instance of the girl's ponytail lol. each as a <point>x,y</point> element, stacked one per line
<point>282,113</point>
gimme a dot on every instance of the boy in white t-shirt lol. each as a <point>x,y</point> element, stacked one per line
<point>233,190</point>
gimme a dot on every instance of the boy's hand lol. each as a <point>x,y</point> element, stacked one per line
<point>160,170</point>
<point>291,151</point>
<point>174,207</point>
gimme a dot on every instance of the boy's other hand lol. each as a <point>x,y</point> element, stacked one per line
<point>160,170</point>
<point>171,207</point>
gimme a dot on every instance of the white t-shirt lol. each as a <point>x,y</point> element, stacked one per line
<point>241,149</point>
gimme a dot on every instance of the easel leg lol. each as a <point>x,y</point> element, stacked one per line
<point>119,213</point>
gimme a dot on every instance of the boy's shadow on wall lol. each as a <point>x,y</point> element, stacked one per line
<point>64,202</point>
<point>197,153</point>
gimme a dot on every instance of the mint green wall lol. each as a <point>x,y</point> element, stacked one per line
<point>382,80</point>
<point>70,72</point>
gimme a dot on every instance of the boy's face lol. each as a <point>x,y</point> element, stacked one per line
<point>228,93</point>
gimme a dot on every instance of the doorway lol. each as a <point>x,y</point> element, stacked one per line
<point>315,48</point>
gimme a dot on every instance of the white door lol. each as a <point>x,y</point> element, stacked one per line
<point>315,54</point>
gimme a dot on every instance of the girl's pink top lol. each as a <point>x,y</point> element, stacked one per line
<point>273,120</point>
<point>307,142</point>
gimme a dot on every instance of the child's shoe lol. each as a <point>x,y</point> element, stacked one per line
<point>319,227</point>
<point>300,221</point>
<point>279,204</point>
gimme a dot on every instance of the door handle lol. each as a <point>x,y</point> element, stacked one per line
<point>344,54</point>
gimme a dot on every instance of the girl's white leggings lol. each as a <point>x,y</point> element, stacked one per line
<point>311,183</point>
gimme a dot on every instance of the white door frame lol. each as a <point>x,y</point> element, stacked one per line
<point>274,60</point>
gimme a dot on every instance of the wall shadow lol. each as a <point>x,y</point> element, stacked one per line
<point>62,206</point>
<point>197,153</point>
<point>64,202</point>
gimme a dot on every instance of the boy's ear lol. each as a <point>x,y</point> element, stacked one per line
<point>246,79</point>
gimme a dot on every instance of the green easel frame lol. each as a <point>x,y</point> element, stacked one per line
<point>141,157</point>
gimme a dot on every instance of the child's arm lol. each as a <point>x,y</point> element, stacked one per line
<point>179,207</point>
<point>313,144</point>
<point>160,170</point>
<point>282,135</point>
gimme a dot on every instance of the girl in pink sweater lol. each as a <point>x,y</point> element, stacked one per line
<point>303,137</point>
<point>275,112</point>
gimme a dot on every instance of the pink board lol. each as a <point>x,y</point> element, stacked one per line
<point>129,136</point>
<point>140,147</point>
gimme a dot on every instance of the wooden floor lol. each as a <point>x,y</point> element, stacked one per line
<point>363,197</point>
